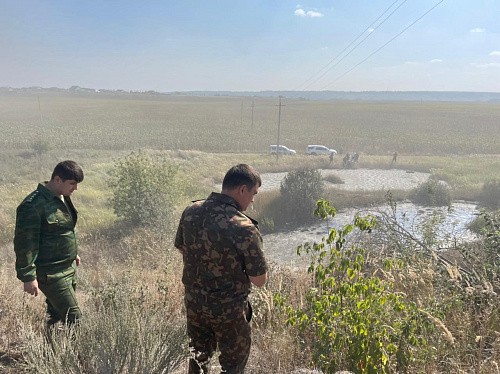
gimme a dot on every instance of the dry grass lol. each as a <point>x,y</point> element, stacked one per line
<point>213,124</point>
<point>204,136</point>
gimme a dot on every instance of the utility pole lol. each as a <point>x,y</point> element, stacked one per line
<point>253,105</point>
<point>279,125</point>
<point>241,119</point>
<point>40,111</point>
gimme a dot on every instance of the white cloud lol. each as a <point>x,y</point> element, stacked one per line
<point>411,63</point>
<point>324,49</point>
<point>300,13</point>
<point>495,53</point>
<point>313,14</point>
<point>487,66</point>
<point>478,29</point>
<point>310,13</point>
<point>436,60</point>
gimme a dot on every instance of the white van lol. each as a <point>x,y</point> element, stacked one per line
<point>282,150</point>
<point>319,150</point>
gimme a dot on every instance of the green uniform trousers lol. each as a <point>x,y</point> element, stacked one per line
<point>226,326</point>
<point>59,290</point>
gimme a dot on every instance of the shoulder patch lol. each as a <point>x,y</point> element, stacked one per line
<point>32,196</point>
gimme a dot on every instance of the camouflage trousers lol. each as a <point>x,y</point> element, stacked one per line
<point>59,290</point>
<point>225,326</point>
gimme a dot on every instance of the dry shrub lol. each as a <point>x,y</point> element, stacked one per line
<point>122,332</point>
<point>276,348</point>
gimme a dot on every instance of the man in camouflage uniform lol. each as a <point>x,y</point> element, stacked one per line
<point>45,243</point>
<point>222,254</point>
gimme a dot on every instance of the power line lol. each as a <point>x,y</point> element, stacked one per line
<point>350,44</point>
<point>357,45</point>
<point>406,28</point>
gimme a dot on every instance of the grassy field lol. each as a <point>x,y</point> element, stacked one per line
<point>138,271</point>
<point>218,124</point>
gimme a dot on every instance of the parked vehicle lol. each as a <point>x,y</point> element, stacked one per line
<point>282,150</point>
<point>319,150</point>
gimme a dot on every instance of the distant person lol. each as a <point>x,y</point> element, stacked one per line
<point>45,243</point>
<point>331,157</point>
<point>341,151</point>
<point>394,158</point>
<point>346,159</point>
<point>355,157</point>
<point>223,255</point>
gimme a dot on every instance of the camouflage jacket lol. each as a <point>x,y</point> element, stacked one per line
<point>221,247</point>
<point>45,237</point>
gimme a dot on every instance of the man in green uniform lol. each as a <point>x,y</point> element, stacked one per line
<point>45,243</point>
<point>222,254</point>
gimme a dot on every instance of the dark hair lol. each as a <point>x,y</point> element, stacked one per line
<point>67,170</point>
<point>241,174</point>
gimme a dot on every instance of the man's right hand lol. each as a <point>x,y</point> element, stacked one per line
<point>31,287</point>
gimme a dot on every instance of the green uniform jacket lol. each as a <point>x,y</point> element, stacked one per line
<point>45,238</point>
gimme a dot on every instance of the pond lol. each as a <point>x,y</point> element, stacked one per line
<point>281,247</point>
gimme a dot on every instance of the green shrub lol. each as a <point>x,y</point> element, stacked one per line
<point>144,190</point>
<point>266,225</point>
<point>490,194</point>
<point>353,321</point>
<point>41,146</point>
<point>300,190</point>
<point>491,236</point>
<point>431,193</point>
<point>333,178</point>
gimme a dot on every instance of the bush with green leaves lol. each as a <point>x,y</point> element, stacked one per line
<point>144,189</point>
<point>300,190</point>
<point>490,236</point>
<point>352,321</point>
<point>41,146</point>
<point>431,193</point>
<point>490,194</point>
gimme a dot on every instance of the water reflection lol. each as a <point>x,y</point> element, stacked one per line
<point>281,247</point>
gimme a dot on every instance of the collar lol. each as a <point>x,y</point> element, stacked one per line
<point>224,199</point>
<point>230,201</point>
<point>45,191</point>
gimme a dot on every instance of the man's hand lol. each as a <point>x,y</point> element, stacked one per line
<point>31,287</point>
<point>259,281</point>
<point>78,260</point>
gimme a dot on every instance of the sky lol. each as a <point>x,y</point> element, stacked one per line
<point>243,45</point>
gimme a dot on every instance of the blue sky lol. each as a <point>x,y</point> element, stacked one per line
<point>242,45</point>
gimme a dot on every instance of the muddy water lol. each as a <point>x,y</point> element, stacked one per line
<point>281,247</point>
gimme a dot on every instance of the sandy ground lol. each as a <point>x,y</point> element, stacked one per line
<point>359,179</point>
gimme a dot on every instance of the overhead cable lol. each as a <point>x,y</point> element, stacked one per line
<point>406,28</point>
<point>350,44</point>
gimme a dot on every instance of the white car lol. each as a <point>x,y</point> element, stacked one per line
<point>319,150</point>
<point>282,150</point>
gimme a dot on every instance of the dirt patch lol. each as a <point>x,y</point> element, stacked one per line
<point>359,179</point>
